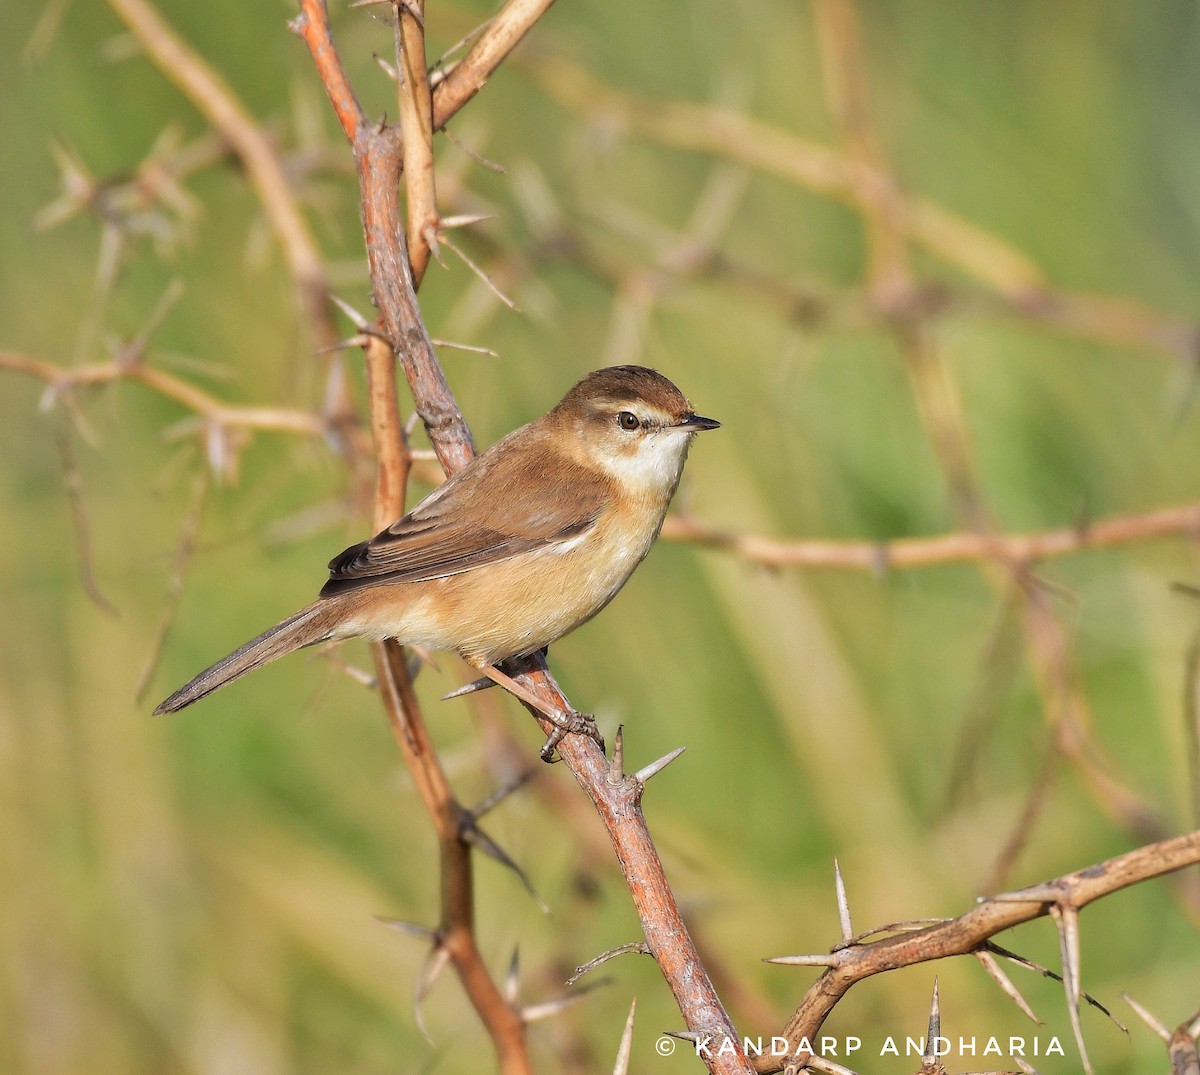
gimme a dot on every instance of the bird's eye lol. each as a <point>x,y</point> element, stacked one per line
<point>628,421</point>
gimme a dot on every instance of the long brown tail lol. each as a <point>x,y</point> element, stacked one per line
<point>309,625</point>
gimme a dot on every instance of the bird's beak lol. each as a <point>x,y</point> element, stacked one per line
<point>694,423</point>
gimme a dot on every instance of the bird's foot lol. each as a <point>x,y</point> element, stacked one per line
<point>569,723</point>
<point>566,722</point>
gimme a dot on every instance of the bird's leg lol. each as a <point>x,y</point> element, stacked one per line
<point>565,722</point>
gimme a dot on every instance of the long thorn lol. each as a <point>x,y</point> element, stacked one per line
<point>656,767</point>
<point>500,794</point>
<point>828,1067</point>
<point>439,956</point>
<point>550,1008</point>
<point>355,318</point>
<point>481,841</point>
<point>358,340</point>
<point>621,1067</point>
<point>465,220</point>
<point>1067,919</point>
<point>483,276</point>
<point>455,345</point>
<point>616,765</point>
<point>512,981</point>
<point>469,688</point>
<point>996,973</point>
<point>816,960</point>
<point>839,884</point>
<point>935,1024</point>
<point>1147,1018</point>
<point>411,928</point>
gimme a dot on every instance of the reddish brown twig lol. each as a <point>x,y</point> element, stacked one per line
<point>616,795</point>
<point>455,935</point>
<point>454,939</point>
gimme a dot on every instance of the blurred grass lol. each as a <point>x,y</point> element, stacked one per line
<point>197,894</point>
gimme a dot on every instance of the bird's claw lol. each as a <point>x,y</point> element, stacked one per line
<point>569,723</point>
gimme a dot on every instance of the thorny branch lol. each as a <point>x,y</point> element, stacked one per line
<point>455,935</point>
<point>880,557</point>
<point>851,962</point>
<point>616,796</point>
<point>62,381</point>
<point>379,163</point>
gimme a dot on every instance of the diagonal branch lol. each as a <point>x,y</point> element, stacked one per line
<point>313,26</point>
<point>503,33</point>
<point>455,936</point>
<point>617,798</point>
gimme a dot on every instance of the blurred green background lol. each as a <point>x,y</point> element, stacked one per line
<point>199,893</point>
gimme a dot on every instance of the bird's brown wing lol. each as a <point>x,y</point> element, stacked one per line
<point>484,514</point>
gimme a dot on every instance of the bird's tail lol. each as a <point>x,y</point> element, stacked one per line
<point>312,624</point>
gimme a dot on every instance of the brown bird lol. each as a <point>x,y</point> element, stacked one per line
<point>517,548</point>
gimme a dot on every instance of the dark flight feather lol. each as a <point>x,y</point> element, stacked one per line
<point>482,515</point>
